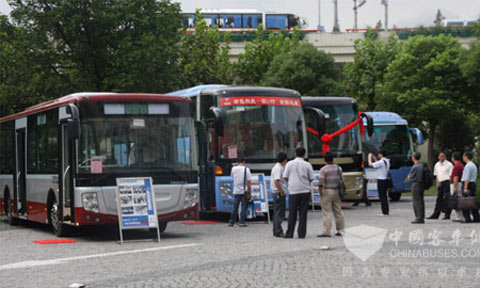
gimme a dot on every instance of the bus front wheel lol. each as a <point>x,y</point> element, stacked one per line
<point>58,227</point>
<point>395,196</point>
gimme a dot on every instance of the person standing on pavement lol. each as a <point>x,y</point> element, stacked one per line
<point>455,183</point>
<point>242,182</point>
<point>299,174</point>
<point>442,171</point>
<point>381,166</point>
<point>416,176</point>
<point>469,177</point>
<point>329,179</point>
<point>278,185</point>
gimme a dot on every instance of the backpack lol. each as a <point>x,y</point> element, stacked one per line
<point>427,178</point>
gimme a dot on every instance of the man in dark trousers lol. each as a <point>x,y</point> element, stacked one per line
<point>299,174</point>
<point>278,185</point>
<point>382,166</point>
<point>242,182</point>
<point>469,178</point>
<point>416,176</point>
<point>442,171</point>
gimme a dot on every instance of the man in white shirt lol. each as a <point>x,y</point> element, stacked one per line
<point>278,185</point>
<point>299,174</point>
<point>381,166</point>
<point>242,180</point>
<point>442,171</point>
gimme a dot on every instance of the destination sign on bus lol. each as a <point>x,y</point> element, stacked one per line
<point>259,100</point>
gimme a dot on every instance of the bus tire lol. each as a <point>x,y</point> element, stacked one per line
<point>162,226</point>
<point>8,210</point>
<point>395,197</point>
<point>58,228</point>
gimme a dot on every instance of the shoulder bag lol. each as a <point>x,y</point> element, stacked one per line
<point>342,190</point>
<point>389,176</point>
<point>246,194</point>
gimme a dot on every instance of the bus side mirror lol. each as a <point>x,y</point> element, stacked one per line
<point>418,135</point>
<point>219,120</point>
<point>73,122</point>
<point>320,119</point>
<point>369,123</point>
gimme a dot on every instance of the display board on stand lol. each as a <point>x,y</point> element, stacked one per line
<point>136,207</point>
<point>259,197</point>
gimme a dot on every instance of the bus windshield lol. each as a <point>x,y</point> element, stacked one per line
<point>127,142</point>
<point>338,116</point>
<point>261,131</point>
<point>395,139</point>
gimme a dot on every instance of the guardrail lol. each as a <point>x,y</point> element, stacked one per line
<point>405,33</point>
<point>240,35</point>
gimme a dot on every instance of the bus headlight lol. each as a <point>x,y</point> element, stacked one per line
<point>190,198</point>
<point>90,201</point>
<point>226,189</point>
<point>358,182</point>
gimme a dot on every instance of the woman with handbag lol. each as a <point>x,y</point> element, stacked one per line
<point>467,203</point>
<point>330,186</point>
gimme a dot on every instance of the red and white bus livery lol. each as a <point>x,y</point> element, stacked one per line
<point>59,160</point>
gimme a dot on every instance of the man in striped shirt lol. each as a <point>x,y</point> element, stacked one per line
<point>329,179</point>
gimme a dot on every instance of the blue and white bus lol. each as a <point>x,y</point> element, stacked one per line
<point>391,132</point>
<point>254,122</point>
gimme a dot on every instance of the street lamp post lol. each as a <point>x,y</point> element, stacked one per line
<point>336,26</point>
<point>355,10</point>
<point>319,14</point>
<point>385,3</point>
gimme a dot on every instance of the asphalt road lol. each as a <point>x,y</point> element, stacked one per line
<point>375,252</point>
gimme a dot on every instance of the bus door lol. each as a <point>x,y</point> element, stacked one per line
<point>65,196</point>
<point>20,193</point>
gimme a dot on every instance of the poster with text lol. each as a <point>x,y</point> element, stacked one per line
<point>136,203</point>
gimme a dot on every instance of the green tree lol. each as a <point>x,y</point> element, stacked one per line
<point>470,66</point>
<point>369,66</point>
<point>305,69</point>
<point>424,83</point>
<point>24,75</point>
<point>105,45</point>
<point>456,134</point>
<point>204,59</point>
<point>259,54</point>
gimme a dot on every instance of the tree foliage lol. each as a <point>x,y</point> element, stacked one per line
<point>305,69</point>
<point>203,57</point>
<point>372,57</point>
<point>424,83</point>
<point>259,54</point>
<point>105,45</point>
<point>24,75</point>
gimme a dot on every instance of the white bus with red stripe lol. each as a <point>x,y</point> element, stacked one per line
<point>72,149</point>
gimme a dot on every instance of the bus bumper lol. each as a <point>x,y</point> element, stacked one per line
<point>354,184</point>
<point>83,217</point>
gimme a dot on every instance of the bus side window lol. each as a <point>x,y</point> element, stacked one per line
<point>6,148</point>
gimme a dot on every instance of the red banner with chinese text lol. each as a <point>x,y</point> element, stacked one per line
<point>260,100</point>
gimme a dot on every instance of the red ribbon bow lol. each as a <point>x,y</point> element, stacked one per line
<point>328,138</point>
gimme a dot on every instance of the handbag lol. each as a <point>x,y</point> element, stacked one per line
<point>467,203</point>
<point>342,190</point>
<point>246,194</point>
<point>452,203</point>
